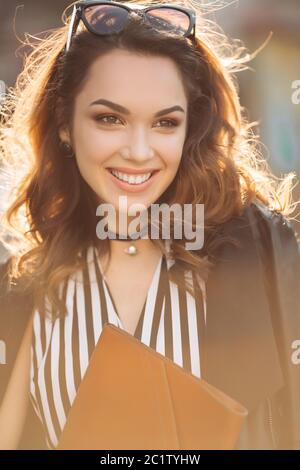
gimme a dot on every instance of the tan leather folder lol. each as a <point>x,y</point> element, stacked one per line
<point>133,397</point>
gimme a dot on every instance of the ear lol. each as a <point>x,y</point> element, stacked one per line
<point>64,135</point>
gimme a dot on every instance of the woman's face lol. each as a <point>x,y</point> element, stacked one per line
<point>133,133</point>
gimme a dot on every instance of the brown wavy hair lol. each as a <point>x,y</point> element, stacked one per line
<point>49,216</point>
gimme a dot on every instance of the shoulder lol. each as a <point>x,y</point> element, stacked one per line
<point>15,311</point>
<point>12,299</point>
<point>264,225</point>
<point>257,238</point>
<point>272,218</point>
<point>275,233</point>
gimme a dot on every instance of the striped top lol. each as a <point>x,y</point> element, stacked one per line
<point>171,322</point>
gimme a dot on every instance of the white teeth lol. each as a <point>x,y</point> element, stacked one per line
<point>138,179</point>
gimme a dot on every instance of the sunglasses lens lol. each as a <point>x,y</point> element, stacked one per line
<point>169,19</point>
<point>106,19</point>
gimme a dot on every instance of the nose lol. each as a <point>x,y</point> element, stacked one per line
<point>138,148</point>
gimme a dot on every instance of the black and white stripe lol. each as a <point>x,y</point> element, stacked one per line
<point>171,322</point>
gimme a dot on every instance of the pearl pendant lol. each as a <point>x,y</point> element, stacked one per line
<point>131,250</point>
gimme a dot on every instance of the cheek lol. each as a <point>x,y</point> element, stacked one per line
<point>173,149</point>
<point>173,158</point>
<point>93,146</point>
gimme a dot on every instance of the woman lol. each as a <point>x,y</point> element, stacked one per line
<point>104,98</point>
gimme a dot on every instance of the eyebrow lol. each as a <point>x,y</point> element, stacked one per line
<point>121,109</point>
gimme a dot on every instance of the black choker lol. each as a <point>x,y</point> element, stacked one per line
<point>114,236</point>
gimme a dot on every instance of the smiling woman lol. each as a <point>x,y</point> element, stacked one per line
<point>145,106</point>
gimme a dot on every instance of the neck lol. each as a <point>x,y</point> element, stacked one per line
<point>147,251</point>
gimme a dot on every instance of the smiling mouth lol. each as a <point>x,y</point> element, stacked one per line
<point>134,180</point>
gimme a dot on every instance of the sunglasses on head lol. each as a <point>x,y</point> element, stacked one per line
<point>108,17</point>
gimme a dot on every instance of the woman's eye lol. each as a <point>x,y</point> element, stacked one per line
<point>102,117</point>
<point>110,119</point>
<point>171,122</point>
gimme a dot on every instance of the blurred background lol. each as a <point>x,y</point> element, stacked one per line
<point>269,91</point>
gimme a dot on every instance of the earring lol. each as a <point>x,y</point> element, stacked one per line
<point>67,148</point>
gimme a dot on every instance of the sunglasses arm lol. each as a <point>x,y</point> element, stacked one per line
<point>75,18</point>
<point>193,34</point>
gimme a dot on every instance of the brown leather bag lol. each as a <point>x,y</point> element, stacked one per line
<point>133,397</point>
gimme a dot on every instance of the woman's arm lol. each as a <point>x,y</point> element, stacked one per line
<point>283,265</point>
<point>14,406</point>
